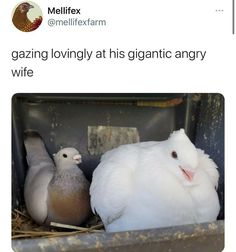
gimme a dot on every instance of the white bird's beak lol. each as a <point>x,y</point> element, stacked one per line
<point>188,174</point>
<point>77,158</point>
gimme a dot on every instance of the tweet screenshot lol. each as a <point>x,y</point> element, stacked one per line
<point>118,125</point>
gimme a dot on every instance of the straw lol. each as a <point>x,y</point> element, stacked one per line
<point>24,227</point>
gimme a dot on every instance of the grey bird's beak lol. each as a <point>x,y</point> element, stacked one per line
<point>77,158</point>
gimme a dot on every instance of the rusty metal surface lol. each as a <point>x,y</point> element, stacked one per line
<point>206,237</point>
<point>210,135</point>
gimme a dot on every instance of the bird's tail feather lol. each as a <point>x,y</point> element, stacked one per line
<point>35,148</point>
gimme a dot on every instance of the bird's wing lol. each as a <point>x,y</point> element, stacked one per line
<point>112,183</point>
<point>40,172</point>
<point>209,166</point>
<point>36,191</point>
<point>36,152</point>
<point>35,24</point>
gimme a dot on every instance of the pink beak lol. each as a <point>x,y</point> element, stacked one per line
<point>187,173</point>
<point>77,158</point>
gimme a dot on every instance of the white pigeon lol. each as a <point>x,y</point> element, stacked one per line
<point>155,184</point>
<point>55,192</point>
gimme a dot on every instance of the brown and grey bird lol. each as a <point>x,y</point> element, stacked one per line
<point>55,192</point>
<point>21,20</point>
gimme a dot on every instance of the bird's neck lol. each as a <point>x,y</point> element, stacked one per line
<point>63,168</point>
<point>21,16</point>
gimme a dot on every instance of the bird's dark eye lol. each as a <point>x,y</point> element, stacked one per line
<point>174,154</point>
<point>64,155</point>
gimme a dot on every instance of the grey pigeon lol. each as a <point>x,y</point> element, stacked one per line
<point>59,191</point>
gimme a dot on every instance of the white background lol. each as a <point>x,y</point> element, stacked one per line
<point>170,24</point>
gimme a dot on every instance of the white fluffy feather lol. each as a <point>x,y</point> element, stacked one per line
<point>207,164</point>
<point>140,186</point>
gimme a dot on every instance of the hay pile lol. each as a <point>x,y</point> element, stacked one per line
<point>24,227</point>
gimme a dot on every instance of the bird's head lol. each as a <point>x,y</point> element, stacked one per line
<point>24,7</point>
<point>182,155</point>
<point>67,157</point>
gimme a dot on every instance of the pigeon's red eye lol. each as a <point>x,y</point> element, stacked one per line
<point>64,155</point>
<point>174,154</point>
